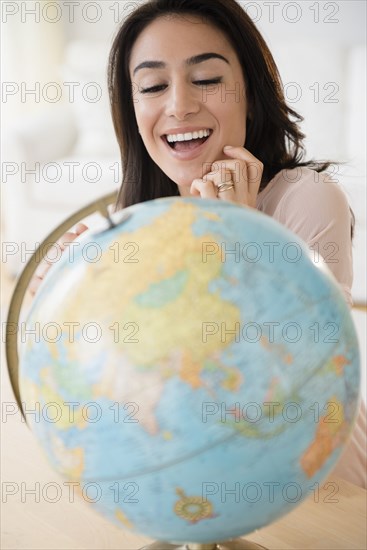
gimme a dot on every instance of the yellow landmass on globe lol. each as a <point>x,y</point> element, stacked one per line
<point>338,363</point>
<point>67,417</point>
<point>190,370</point>
<point>330,434</point>
<point>277,349</point>
<point>156,327</point>
<point>194,508</point>
<point>164,286</point>
<point>335,365</point>
<point>44,399</point>
<point>234,379</point>
<point>212,216</point>
<point>69,462</point>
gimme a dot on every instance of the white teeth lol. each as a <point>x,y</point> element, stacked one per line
<point>171,138</point>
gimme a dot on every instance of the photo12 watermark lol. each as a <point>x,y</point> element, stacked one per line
<point>253,412</point>
<point>269,332</point>
<point>272,252</point>
<point>92,13</point>
<point>70,332</point>
<point>273,11</point>
<point>67,11</point>
<point>70,171</point>
<point>72,412</point>
<point>125,492</point>
<point>90,252</point>
<point>272,492</point>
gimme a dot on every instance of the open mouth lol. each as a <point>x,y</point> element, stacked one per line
<point>187,145</point>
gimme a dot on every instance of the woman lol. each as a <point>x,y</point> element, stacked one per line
<point>189,78</point>
<point>239,99</point>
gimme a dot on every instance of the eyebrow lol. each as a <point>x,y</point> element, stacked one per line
<point>195,60</point>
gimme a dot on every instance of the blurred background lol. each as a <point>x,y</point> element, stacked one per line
<point>59,150</point>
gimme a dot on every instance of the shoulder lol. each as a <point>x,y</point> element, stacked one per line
<point>302,193</point>
<point>314,207</point>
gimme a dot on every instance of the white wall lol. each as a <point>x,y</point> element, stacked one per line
<point>342,20</point>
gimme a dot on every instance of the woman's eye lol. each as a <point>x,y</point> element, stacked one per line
<point>151,90</point>
<point>161,87</point>
<point>208,82</point>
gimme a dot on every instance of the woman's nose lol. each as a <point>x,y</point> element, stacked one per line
<point>182,100</point>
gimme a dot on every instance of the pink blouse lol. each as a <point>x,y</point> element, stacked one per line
<point>314,207</point>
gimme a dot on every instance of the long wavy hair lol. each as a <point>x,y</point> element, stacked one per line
<point>272,133</point>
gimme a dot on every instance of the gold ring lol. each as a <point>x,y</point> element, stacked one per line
<point>225,187</point>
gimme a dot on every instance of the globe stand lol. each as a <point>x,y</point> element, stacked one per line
<point>11,342</point>
<point>235,544</point>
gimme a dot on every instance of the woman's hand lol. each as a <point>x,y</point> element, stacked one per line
<point>243,171</point>
<point>45,265</point>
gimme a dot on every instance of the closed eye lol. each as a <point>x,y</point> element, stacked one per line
<point>155,89</point>
<point>208,82</point>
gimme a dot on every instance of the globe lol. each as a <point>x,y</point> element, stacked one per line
<point>194,369</point>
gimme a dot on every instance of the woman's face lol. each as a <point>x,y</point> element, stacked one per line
<point>167,67</point>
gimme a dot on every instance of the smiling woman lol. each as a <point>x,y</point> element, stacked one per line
<point>181,67</point>
<point>198,109</point>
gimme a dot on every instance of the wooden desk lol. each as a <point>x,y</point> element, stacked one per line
<point>44,525</point>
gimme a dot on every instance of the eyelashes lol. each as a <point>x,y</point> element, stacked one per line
<point>155,89</point>
<point>208,82</point>
<point>151,90</point>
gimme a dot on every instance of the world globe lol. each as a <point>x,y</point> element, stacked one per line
<point>195,370</point>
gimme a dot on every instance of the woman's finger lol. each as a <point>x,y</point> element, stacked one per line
<point>204,189</point>
<point>66,239</point>
<point>250,168</point>
<point>80,228</point>
<point>253,168</point>
<point>53,255</point>
<point>34,284</point>
<point>53,252</point>
<point>223,177</point>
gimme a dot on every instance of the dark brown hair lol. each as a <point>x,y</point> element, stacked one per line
<point>272,134</point>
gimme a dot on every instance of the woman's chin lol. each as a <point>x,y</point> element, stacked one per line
<point>184,188</point>
<point>185,178</point>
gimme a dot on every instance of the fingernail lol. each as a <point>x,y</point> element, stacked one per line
<point>227,147</point>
